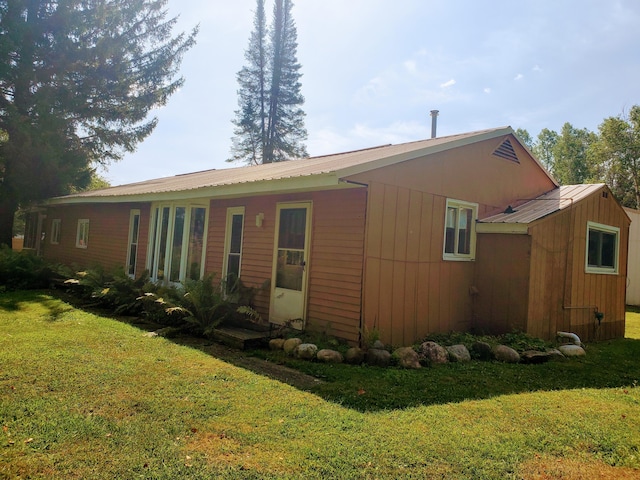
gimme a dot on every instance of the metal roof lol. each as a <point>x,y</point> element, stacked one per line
<point>320,172</point>
<point>555,200</point>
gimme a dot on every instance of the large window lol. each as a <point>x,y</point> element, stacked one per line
<point>459,230</point>
<point>82,235</point>
<point>602,248</point>
<point>233,247</point>
<point>176,243</point>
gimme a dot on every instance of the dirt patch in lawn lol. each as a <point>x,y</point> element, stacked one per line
<point>240,359</point>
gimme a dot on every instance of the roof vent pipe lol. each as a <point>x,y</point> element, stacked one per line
<point>434,122</point>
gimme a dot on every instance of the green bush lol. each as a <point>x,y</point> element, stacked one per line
<point>517,340</point>
<point>23,270</point>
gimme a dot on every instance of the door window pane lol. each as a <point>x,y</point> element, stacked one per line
<point>293,222</point>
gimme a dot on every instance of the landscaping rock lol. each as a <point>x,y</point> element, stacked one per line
<point>482,351</point>
<point>290,345</point>
<point>378,345</point>
<point>378,358</point>
<point>434,353</point>
<point>555,354</point>
<point>506,354</point>
<point>535,357</point>
<point>458,353</point>
<point>407,357</point>
<point>276,344</point>
<point>572,351</point>
<point>354,356</point>
<point>305,351</point>
<point>327,355</point>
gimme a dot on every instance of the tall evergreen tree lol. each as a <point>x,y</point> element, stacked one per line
<point>78,79</point>
<point>270,120</point>
<point>250,133</point>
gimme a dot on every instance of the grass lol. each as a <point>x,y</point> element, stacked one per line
<point>83,396</point>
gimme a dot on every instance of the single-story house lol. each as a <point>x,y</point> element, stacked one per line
<point>460,233</point>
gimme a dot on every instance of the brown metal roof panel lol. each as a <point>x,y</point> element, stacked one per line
<point>551,202</point>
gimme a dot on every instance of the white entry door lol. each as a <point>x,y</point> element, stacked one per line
<point>291,257</point>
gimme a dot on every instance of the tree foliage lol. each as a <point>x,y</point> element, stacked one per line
<point>269,123</point>
<point>617,155</point>
<point>611,155</point>
<point>78,80</point>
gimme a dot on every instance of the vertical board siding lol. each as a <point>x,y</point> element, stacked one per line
<point>502,279</point>
<point>563,297</point>
<point>335,263</point>
<point>108,235</point>
<point>409,290</point>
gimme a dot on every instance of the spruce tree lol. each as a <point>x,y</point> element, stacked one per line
<point>78,80</point>
<point>270,120</point>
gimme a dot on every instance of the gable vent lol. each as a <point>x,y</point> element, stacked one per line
<point>506,151</point>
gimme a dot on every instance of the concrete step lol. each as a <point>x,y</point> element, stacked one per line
<point>240,338</point>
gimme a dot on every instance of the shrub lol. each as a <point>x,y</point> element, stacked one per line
<point>23,270</point>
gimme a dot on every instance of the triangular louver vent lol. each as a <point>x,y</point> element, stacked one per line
<point>506,151</point>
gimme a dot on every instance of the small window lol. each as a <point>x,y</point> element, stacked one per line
<point>55,231</point>
<point>82,236</point>
<point>602,248</point>
<point>460,231</point>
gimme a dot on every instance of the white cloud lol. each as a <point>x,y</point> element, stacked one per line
<point>448,84</point>
<point>487,90</point>
<point>519,77</point>
<point>536,68</point>
<point>411,66</point>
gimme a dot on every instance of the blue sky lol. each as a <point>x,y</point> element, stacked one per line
<point>373,70</point>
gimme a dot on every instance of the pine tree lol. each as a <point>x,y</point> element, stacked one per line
<point>250,133</point>
<point>78,79</point>
<point>270,120</point>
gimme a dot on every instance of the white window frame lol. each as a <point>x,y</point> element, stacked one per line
<point>231,212</point>
<point>616,260</point>
<point>153,249</point>
<point>56,225</point>
<point>82,233</point>
<point>454,256</point>
<point>132,215</point>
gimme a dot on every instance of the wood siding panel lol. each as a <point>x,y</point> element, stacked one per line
<point>502,277</point>
<point>335,263</point>
<point>108,241</point>
<point>563,296</point>
<point>410,291</point>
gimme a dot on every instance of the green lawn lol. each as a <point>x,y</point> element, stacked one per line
<point>83,396</point>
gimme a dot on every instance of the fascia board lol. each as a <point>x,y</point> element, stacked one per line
<point>287,185</point>
<point>506,228</point>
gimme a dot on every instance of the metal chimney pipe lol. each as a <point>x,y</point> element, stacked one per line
<point>434,122</point>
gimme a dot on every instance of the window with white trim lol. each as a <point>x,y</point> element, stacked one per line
<point>134,233</point>
<point>82,235</point>
<point>233,247</point>
<point>602,250</point>
<point>460,231</point>
<point>176,242</point>
<point>56,223</point>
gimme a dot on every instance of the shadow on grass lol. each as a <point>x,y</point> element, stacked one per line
<point>20,300</point>
<point>608,364</point>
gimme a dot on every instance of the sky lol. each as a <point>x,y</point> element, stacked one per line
<point>372,70</point>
